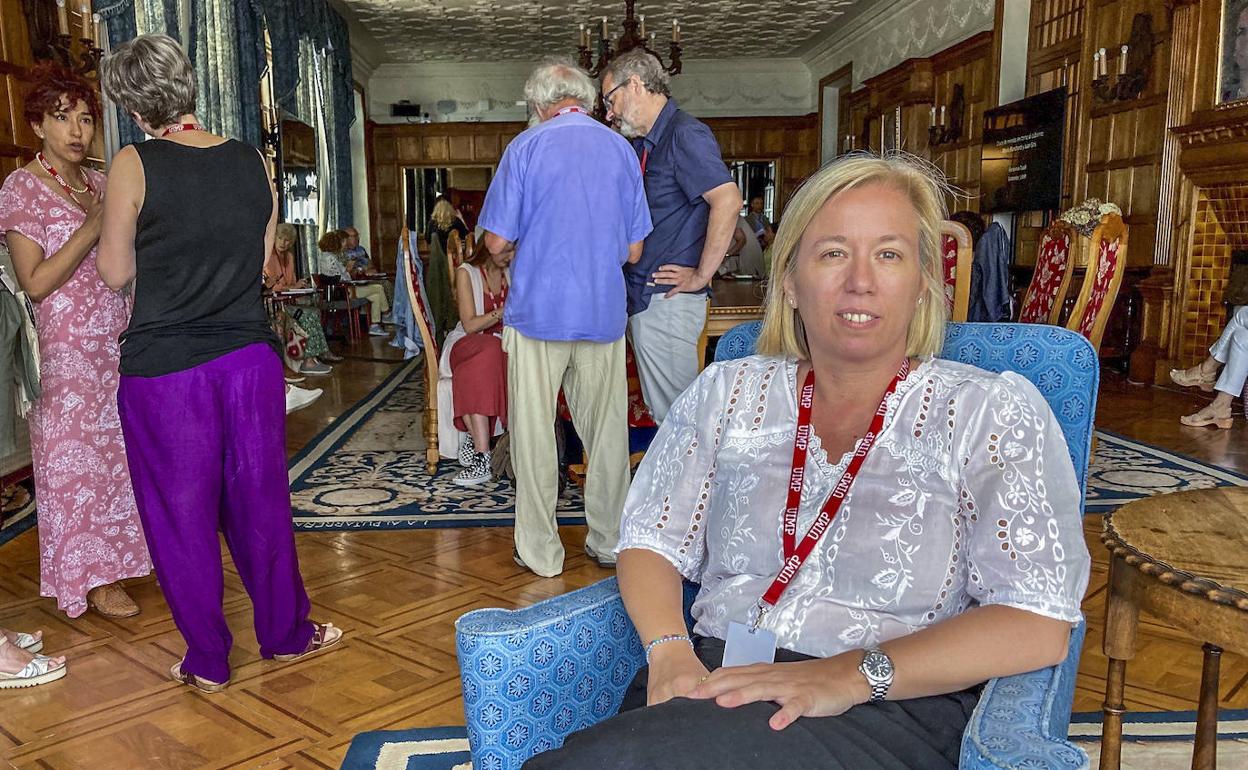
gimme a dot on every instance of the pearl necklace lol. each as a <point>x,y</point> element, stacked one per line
<point>48,167</point>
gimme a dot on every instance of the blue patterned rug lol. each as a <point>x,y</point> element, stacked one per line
<point>367,471</point>
<point>17,509</point>
<point>1151,741</point>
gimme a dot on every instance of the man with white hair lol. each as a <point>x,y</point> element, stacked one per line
<point>694,204</point>
<point>568,193</point>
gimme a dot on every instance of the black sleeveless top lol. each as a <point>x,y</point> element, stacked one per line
<point>199,252</point>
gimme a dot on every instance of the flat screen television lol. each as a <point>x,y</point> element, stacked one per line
<point>1021,159</point>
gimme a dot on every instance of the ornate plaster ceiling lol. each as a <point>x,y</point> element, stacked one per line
<point>525,30</point>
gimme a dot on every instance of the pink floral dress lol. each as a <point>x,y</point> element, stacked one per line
<point>89,529</point>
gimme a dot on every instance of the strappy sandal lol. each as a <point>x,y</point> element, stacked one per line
<point>28,642</point>
<point>198,682</point>
<point>41,670</point>
<point>325,636</point>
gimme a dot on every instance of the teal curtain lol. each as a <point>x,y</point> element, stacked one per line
<point>227,50</point>
<point>127,19</point>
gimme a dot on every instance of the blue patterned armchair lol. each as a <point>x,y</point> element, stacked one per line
<point>533,676</point>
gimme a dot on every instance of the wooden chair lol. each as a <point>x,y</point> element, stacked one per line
<point>1107,260</point>
<point>455,255</point>
<point>1051,280</point>
<point>338,300</point>
<point>957,254</point>
<point>432,354</point>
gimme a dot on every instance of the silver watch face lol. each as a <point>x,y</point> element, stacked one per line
<point>876,666</point>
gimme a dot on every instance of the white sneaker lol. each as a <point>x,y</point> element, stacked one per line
<point>298,398</point>
<point>475,475</point>
<point>467,452</point>
<point>376,331</point>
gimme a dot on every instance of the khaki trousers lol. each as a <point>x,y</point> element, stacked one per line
<point>376,297</point>
<point>593,380</point>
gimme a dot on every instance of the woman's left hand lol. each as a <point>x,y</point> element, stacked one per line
<point>809,688</point>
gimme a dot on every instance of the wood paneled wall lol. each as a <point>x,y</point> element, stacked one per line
<point>395,147</point>
<point>18,142</point>
<point>1119,155</point>
<point>790,141</point>
<point>909,91</point>
<point>968,64</point>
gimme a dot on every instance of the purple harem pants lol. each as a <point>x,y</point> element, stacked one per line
<point>206,448</point>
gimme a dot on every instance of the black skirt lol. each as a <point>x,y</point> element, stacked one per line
<point>684,733</point>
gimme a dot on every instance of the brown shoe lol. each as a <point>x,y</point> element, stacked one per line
<point>112,601</point>
<point>324,637</point>
<point>1208,416</point>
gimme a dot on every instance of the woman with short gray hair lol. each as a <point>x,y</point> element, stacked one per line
<point>190,217</point>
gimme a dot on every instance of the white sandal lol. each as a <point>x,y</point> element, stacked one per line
<point>41,670</point>
<point>29,642</point>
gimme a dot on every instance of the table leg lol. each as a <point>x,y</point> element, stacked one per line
<point>1121,621</point>
<point>1205,756</point>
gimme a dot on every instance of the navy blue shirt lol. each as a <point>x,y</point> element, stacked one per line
<point>682,162</point>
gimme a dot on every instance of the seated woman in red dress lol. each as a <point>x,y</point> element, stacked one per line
<point>478,366</point>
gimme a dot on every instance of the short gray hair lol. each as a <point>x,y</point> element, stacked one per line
<point>150,76</point>
<point>556,79</point>
<point>645,66</point>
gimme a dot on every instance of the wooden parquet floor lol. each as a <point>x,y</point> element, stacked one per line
<point>397,594</point>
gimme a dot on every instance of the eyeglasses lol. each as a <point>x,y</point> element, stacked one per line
<point>606,98</point>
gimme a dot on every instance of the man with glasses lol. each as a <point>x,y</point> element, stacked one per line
<point>694,205</point>
<point>568,193</point>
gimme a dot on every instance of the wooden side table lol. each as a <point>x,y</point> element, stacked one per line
<point>1183,558</point>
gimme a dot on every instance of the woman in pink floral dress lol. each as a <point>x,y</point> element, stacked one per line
<point>90,537</point>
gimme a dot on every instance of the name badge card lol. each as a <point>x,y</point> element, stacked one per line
<point>745,647</point>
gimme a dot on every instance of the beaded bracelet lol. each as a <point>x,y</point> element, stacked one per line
<point>666,638</point>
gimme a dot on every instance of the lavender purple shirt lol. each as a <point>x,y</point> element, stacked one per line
<point>569,193</point>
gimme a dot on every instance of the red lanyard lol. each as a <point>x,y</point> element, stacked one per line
<point>179,127</point>
<point>645,156</point>
<point>48,167</point>
<point>796,553</point>
<point>566,110</point>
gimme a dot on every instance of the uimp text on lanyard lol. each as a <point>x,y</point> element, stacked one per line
<point>796,553</point>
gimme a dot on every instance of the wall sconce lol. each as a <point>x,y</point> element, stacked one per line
<point>942,127</point>
<point>1135,61</point>
<point>47,22</point>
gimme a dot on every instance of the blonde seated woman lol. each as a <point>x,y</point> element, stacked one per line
<point>896,528</point>
<point>473,353</point>
<point>330,265</point>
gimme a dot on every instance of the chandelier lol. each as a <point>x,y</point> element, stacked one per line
<point>634,36</point>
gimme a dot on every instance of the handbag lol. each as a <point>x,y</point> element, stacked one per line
<point>294,340</point>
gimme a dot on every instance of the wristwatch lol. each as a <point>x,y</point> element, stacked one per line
<point>877,667</point>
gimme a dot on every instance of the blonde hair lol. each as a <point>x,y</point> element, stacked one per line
<point>443,214</point>
<point>285,231</point>
<point>783,333</point>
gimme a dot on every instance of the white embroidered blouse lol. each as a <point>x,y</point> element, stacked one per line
<point>968,498</point>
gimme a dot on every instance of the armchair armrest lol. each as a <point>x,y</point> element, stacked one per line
<point>1021,721</point>
<point>535,675</point>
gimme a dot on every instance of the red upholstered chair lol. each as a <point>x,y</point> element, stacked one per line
<point>1051,280</point>
<point>1107,259</point>
<point>957,256</point>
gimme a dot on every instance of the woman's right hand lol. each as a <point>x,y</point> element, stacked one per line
<point>95,218</point>
<point>674,672</point>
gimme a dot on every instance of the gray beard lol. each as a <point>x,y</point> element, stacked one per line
<point>628,130</point>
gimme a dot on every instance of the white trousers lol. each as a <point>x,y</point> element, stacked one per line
<point>665,346</point>
<point>1231,350</point>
